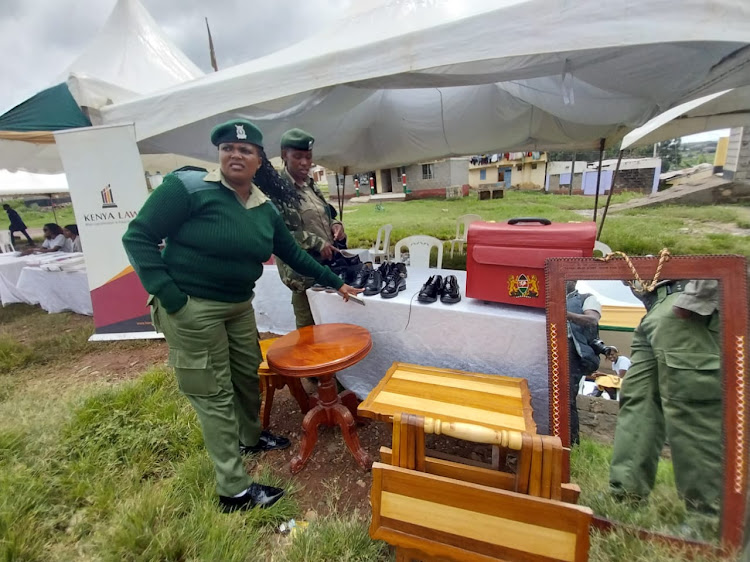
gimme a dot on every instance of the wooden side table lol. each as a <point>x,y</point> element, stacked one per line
<point>320,351</point>
<point>270,382</point>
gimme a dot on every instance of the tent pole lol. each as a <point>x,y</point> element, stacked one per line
<point>599,176</point>
<point>609,197</point>
<point>572,173</point>
<point>52,204</point>
<point>341,196</point>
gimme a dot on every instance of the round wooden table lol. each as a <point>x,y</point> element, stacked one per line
<point>320,351</point>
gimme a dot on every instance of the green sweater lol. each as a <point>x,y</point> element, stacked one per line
<point>215,248</point>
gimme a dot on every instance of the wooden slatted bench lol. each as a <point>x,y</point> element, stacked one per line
<point>432,509</point>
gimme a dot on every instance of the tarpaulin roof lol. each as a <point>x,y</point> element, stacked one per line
<point>402,81</point>
<point>722,110</point>
<point>49,110</point>
<point>129,56</point>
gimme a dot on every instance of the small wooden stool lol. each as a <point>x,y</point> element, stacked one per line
<point>270,382</point>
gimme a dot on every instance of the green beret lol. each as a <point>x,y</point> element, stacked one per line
<point>237,130</point>
<point>297,138</point>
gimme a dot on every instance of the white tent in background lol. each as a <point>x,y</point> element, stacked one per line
<point>24,183</point>
<point>722,110</point>
<point>130,56</point>
<point>400,82</point>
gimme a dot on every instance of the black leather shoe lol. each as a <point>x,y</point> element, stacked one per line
<point>430,291</point>
<point>394,283</point>
<point>360,279</point>
<point>267,442</point>
<point>450,292</point>
<point>256,495</point>
<point>401,269</point>
<point>374,283</point>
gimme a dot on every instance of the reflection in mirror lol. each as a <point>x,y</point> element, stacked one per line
<point>645,388</point>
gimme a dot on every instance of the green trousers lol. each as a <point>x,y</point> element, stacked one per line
<point>673,391</point>
<point>302,313</point>
<point>213,347</point>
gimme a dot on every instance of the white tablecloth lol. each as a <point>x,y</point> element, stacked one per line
<point>56,291</point>
<point>471,335</point>
<point>11,266</point>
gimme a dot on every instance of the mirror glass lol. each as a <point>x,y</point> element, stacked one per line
<point>647,387</point>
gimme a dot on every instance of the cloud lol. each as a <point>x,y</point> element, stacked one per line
<point>40,38</point>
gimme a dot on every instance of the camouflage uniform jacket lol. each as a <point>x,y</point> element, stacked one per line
<point>309,236</point>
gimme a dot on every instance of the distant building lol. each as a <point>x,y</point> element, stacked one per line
<point>522,170</point>
<point>426,179</point>
<point>636,174</point>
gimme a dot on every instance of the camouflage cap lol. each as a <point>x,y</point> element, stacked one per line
<point>237,130</point>
<point>298,139</point>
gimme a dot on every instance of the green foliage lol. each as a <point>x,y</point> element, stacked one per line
<point>36,217</point>
<point>14,355</point>
<point>621,545</point>
<point>663,512</point>
<point>669,152</point>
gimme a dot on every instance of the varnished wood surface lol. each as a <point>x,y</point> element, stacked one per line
<point>465,521</point>
<point>270,382</point>
<point>493,401</point>
<point>319,350</point>
<point>731,272</point>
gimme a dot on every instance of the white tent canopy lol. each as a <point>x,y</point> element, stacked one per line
<point>130,56</point>
<point>399,82</point>
<point>24,183</point>
<point>722,110</point>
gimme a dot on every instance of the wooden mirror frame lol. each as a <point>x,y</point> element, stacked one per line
<point>731,271</point>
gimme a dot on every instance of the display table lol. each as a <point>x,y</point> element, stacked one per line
<point>56,291</point>
<point>11,266</point>
<point>320,351</point>
<point>472,335</point>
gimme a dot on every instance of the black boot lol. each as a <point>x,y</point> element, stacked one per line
<point>394,283</point>
<point>360,279</point>
<point>374,282</point>
<point>431,290</point>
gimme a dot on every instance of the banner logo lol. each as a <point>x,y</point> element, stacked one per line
<point>107,200</point>
<point>523,286</point>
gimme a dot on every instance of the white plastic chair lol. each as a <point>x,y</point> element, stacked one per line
<point>462,230</point>
<point>602,247</point>
<point>6,242</point>
<point>381,250</point>
<point>420,247</point>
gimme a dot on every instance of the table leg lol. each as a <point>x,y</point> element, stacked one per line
<point>348,426</point>
<point>350,400</point>
<point>315,417</point>
<point>329,411</point>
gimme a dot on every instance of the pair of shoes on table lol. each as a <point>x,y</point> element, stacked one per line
<point>447,290</point>
<point>257,495</point>
<point>388,280</point>
<point>266,442</point>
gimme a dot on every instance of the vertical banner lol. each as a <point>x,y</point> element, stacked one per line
<point>108,187</point>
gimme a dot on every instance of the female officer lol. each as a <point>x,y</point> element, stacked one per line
<point>219,229</point>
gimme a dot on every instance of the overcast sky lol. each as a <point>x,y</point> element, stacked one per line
<point>40,38</point>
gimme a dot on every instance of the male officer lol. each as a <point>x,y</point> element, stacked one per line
<point>673,391</point>
<point>583,314</point>
<point>310,222</point>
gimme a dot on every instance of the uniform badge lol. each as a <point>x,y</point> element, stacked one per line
<point>309,145</point>
<point>523,286</point>
<point>240,132</point>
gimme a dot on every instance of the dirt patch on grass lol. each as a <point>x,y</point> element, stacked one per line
<point>332,477</point>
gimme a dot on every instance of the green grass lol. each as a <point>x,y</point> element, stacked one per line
<point>36,217</point>
<point>664,511</point>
